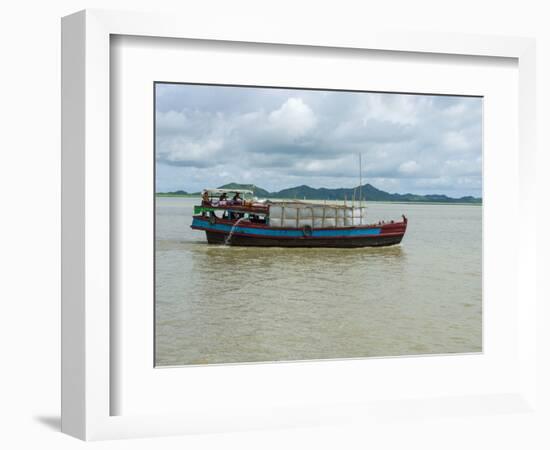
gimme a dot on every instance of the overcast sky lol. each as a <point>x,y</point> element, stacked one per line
<point>207,136</point>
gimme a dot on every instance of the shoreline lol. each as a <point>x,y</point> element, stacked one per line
<point>163,195</point>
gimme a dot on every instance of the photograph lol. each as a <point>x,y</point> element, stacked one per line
<point>307,224</point>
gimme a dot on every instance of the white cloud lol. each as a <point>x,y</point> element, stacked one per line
<point>455,140</point>
<point>276,138</point>
<point>409,167</point>
<point>458,167</point>
<point>398,109</point>
<point>294,118</point>
<point>181,149</point>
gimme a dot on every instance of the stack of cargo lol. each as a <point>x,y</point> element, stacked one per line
<point>299,215</point>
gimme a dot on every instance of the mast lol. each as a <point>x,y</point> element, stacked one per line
<point>360,191</point>
<point>360,181</point>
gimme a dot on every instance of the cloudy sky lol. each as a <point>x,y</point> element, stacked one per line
<point>207,136</point>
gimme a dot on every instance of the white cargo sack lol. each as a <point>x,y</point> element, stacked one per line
<point>306,213</point>
<point>275,212</point>
<point>330,212</point>
<point>299,215</point>
<point>303,222</point>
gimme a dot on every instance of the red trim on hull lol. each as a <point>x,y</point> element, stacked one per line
<point>356,242</point>
<point>402,233</point>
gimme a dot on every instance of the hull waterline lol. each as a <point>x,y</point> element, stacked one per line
<point>247,241</point>
<point>252,235</point>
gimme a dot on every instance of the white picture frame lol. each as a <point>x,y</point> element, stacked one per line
<point>87,354</point>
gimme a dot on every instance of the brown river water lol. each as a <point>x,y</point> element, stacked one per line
<point>223,304</point>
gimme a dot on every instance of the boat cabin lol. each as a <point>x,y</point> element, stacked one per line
<point>232,204</point>
<point>226,197</point>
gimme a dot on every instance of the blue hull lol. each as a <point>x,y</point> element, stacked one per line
<point>217,232</point>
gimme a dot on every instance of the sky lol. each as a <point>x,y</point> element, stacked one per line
<point>207,136</point>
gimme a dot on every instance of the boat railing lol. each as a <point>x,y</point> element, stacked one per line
<point>231,206</point>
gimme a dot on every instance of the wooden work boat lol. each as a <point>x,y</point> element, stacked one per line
<point>245,223</point>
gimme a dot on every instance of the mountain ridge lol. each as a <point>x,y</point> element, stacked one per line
<point>368,192</point>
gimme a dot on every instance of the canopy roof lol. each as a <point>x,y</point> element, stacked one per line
<point>228,191</point>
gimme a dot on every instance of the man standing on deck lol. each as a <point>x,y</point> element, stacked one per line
<point>237,198</point>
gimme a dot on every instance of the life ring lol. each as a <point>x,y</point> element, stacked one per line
<point>307,230</point>
<point>212,219</point>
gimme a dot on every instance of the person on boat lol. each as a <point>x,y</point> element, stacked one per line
<point>205,199</point>
<point>222,201</point>
<point>237,198</point>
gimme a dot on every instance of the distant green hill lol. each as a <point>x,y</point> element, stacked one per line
<point>368,192</point>
<point>173,194</point>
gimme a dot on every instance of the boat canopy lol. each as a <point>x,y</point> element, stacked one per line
<point>228,191</point>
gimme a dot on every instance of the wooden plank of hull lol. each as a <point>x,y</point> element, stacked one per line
<point>254,241</point>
